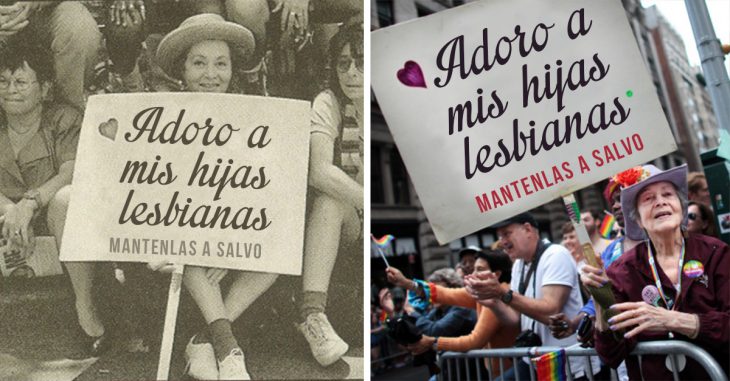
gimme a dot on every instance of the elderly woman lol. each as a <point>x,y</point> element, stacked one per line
<point>203,52</point>
<point>488,332</point>
<point>669,287</point>
<point>39,143</point>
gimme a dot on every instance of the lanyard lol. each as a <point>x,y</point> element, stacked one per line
<point>655,274</point>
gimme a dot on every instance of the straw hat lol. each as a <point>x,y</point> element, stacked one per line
<point>202,27</point>
<point>635,180</point>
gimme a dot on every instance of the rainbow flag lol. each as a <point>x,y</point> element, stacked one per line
<point>381,244</point>
<point>607,225</point>
<point>384,241</point>
<point>551,366</point>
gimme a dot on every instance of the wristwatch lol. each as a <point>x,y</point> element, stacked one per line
<point>435,345</point>
<point>507,297</point>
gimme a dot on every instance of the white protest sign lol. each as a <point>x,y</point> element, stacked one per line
<point>501,106</point>
<point>218,180</point>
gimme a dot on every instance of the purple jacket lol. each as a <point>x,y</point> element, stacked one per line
<point>708,297</point>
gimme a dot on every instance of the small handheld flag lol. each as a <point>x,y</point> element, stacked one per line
<point>382,243</point>
<point>607,225</point>
<point>551,366</point>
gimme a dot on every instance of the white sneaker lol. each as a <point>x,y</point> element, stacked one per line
<point>233,367</point>
<point>326,346</point>
<point>200,361</point>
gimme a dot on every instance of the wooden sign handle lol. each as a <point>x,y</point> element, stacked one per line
<point>603,296</point>
<point>168,334</point>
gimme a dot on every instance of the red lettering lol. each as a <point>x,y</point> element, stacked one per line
<point>483,203</point>
<point>596,155</point>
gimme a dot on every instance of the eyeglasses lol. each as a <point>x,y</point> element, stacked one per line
<point>345,63</point>
<point>692,216</point>
<point>20,84</point>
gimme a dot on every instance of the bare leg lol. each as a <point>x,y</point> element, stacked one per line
<point>207,296</point>
<point>322,239</point>
<point>218,315</point>
<point>81,273</point>
<point>253,14</point>
<point>75,43</point>
<point>247,287</point>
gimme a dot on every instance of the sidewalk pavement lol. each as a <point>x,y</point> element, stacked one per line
<point>39,331</point>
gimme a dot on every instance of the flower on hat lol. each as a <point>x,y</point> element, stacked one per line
<point>631,176</point>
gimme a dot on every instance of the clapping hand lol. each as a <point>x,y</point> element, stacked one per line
<point>483,285</point>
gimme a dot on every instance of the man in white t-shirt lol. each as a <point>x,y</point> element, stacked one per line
<point>534,294</point>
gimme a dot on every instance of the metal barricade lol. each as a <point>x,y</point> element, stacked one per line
<point>449,361</point>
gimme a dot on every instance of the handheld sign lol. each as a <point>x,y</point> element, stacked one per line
<point>501,106</point>
<point>215,181</point>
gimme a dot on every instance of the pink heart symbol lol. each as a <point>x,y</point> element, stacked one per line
<point>411,75</point>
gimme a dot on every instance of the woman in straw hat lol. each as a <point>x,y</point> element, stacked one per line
<point>204,53</point>
<point>670,286</point>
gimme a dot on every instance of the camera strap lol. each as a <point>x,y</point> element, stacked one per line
<point>524,280</point>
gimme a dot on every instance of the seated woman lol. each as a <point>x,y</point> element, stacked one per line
<point>204,52</point>
<point>488,332</point>
<point>669,287</point>
<point>38,143</point>
<point>334,210</point>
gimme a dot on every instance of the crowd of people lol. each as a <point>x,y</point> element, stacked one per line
<point>53,55</point>
<point>664,264</point>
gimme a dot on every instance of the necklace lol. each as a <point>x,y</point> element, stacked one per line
<point>655,273</point>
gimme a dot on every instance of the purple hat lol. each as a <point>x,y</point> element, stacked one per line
<point>648,175</point>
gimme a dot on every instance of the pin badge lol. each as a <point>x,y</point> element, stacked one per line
<point>693,269</point>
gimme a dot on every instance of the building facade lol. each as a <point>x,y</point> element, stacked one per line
<point>395,207</point>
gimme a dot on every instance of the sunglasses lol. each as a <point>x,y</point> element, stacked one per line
<point>345,63</point>
<point>692,216</point>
